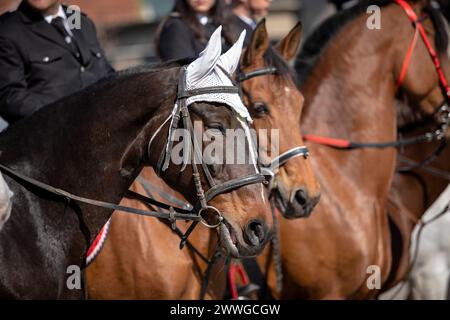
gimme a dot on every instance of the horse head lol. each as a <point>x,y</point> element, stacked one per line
<point>271,94</point>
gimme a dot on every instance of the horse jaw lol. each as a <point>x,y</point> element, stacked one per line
<point>5,202</point>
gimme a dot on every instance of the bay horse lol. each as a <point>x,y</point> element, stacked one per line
<point>94,144</point>
<point>121,270</point>
<point>350,92</point>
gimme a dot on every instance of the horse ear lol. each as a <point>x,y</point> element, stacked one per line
<point>207,59</point>
<point>289,45</point>
<point>259,44</point>
<point>229,61</point>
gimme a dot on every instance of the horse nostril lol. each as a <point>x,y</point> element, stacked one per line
<point>255,233</point>
<point>301,197</point>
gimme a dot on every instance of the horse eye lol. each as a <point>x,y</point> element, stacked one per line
<point>216,127</point>
<point>261,108</point>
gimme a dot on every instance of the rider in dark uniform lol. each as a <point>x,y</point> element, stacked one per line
<point>42,58</point>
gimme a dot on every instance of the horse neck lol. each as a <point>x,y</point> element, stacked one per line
<point>339,105</point>
<point>79,143</point>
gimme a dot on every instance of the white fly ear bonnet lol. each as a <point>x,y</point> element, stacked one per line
<point>208,71</point>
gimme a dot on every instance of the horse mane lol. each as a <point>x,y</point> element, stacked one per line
<point>123,75</point>
<point>329,29</point>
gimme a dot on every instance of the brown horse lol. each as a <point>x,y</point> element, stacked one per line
<point>144,262</point>
<point>349,75</point>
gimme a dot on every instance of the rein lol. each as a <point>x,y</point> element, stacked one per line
<point>180,214</point>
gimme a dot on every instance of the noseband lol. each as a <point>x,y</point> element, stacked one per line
<point>182,112</point>
<point>271,168</point>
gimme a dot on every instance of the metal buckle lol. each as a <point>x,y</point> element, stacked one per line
<point>205,223</point>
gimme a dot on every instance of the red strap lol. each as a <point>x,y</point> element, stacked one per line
<point>407,60</point>
<point>418,25</point>
<point>338,143</point>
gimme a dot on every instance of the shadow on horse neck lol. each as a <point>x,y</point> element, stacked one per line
<point>92,144</point>
<point>350,91</point>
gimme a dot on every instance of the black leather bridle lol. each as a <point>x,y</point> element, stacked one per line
<point>182,112</point>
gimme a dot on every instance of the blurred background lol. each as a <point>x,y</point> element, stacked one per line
<point>126,27</point>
